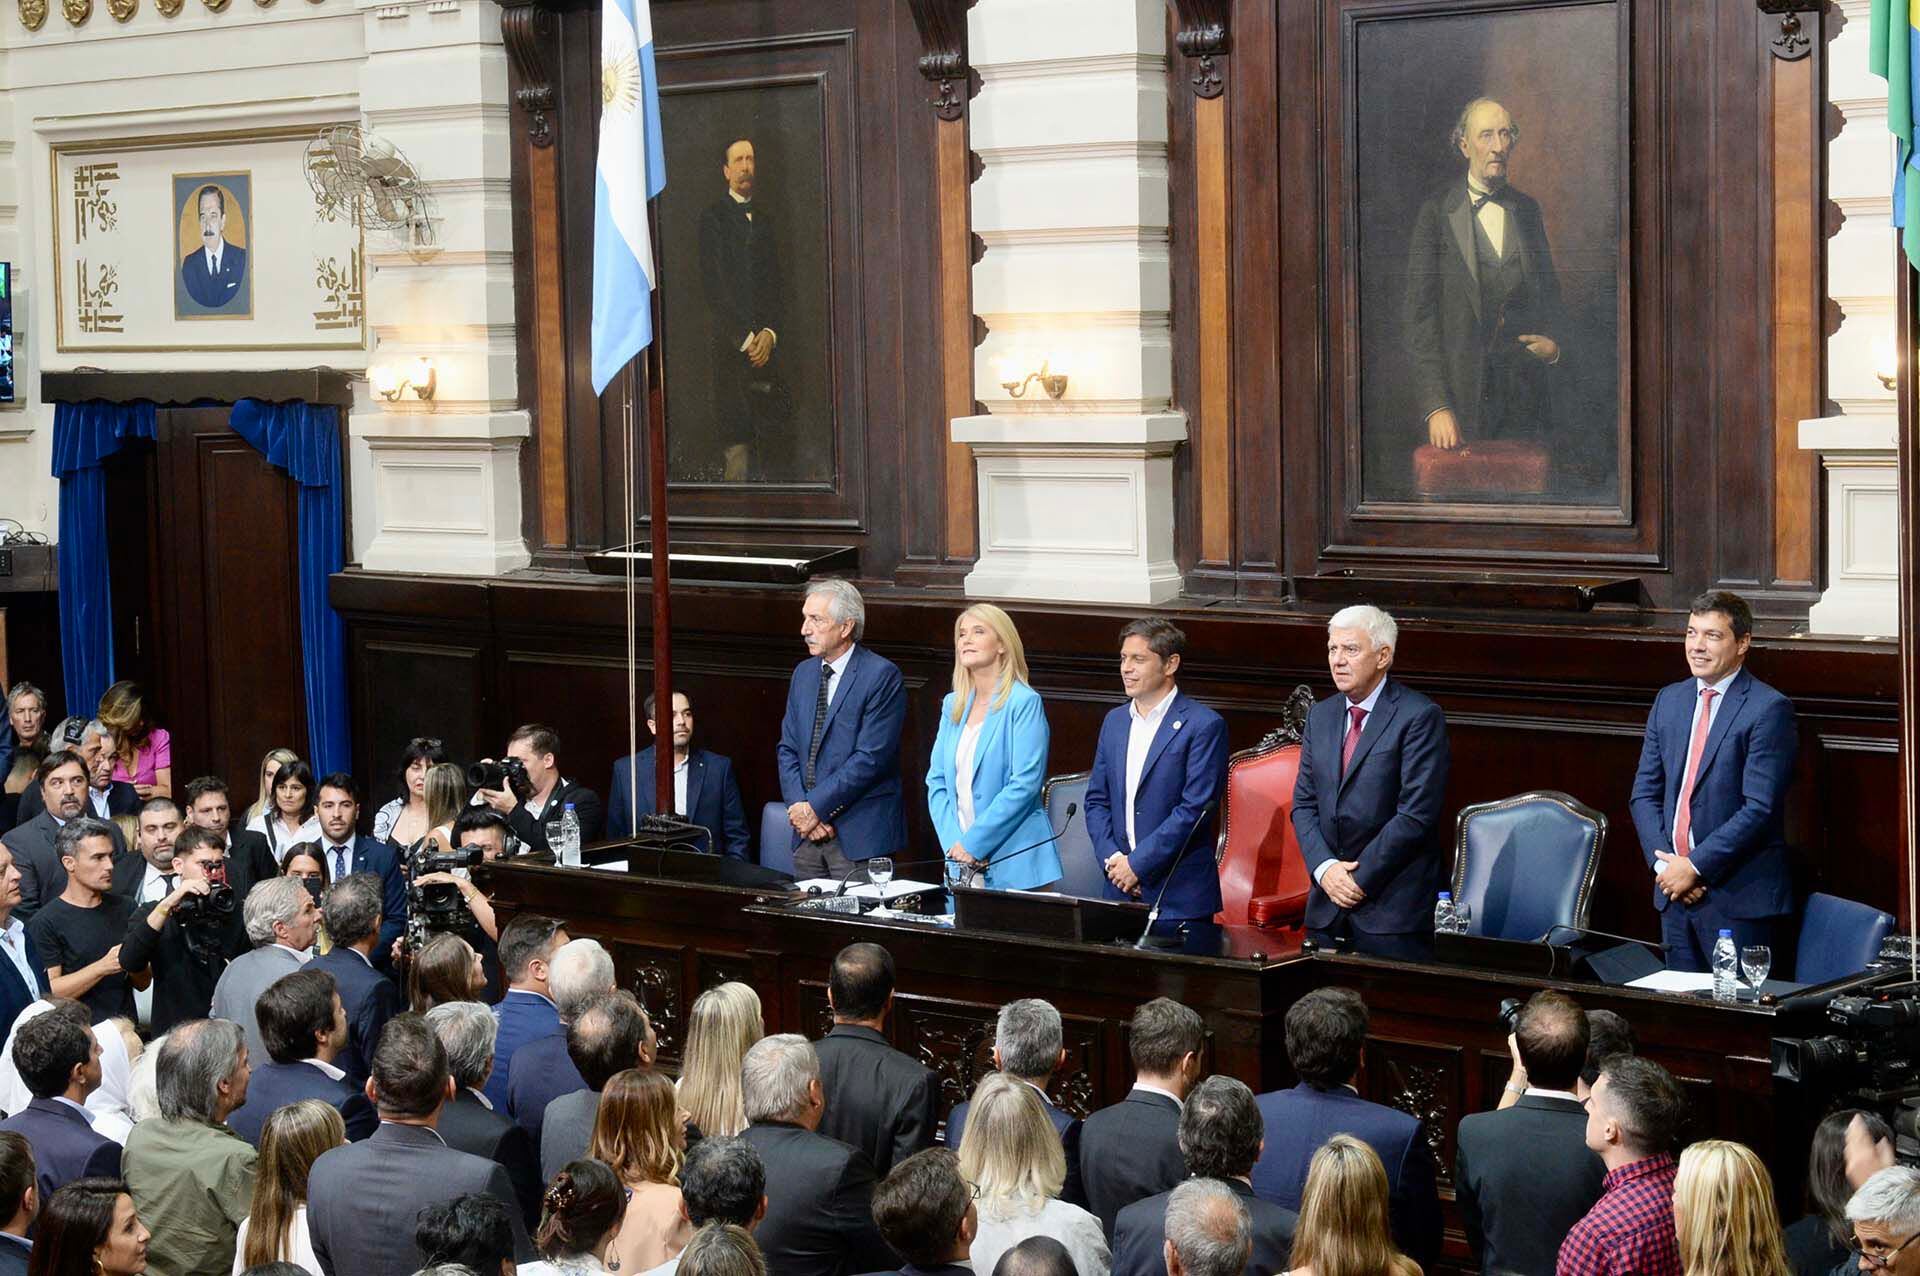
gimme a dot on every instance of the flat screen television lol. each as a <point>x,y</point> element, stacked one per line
<point>6,332</point>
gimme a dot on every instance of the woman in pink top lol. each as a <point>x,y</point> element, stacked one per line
<point>144,751</point>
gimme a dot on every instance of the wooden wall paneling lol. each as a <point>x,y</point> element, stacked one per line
<point>549,338</point>
<point>955,192</point>
<point>1796,244</point>
<point>1275,363</point>
<point>1214,453</point>
<point>408,684</point>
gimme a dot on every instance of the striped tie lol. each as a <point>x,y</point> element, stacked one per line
<point>819,720</point>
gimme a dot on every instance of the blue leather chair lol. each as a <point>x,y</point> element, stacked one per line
<point>1080,872</point>
<point>776,838</point>
<point>1526,864</point>
<point>1838,938</point>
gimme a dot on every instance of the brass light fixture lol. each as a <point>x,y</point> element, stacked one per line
<point>1054,383</point>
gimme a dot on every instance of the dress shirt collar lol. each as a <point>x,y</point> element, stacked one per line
<point>1373,698</point>
<point>152,875</point>
<point>356,952</point>
<point>680,764</point>
<point>1154,1089</point>
<point>485,1102</point>
<point>61,1098</point>
<point>745,200</point>
<point>327,1070</point>
<point>1645,1167</point>
<point>839,666</point>
<point>1158,713</point>
<point>1538,1092</point>
<point>14,931</point>
<point>304,954</point>
<point>1718,688</point>
<point>99,799</point>
<point>530,992</point>
<point>1042,1092</point>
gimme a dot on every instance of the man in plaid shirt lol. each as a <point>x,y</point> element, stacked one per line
<point>1634,1114</point>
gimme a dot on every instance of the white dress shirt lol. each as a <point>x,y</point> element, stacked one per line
<point>680,786</point>
<point>326,1069</point>
<point>99,799</point>
<point>335,853</point>
<point>13,942</point>
<point>304,954</point>
<point>839,668</point>
<point>1492,217</point>
<point>963,772</point>
<point>1141,729</point>
<point>1693,724</point>
<point>1366,720</point>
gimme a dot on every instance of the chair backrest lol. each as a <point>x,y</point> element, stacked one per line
<point>1080,871</point>
<point>1258,854</point>
<point>1526,864</point>
<point>776,837</point>
<point>1838,937</point>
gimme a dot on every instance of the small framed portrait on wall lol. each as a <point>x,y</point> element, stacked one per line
<point>213,235</point>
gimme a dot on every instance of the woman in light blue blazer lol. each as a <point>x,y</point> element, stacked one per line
<point>983,787</point>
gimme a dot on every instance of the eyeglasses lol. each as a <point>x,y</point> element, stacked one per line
<point>1878,1262</point>
<point>973,1188</point>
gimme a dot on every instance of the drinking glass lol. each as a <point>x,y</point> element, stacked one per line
<point>1755,961</point>
<point>880,872</point>
<point>1462,919</point>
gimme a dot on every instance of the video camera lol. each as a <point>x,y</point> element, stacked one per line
<point>1871,1060</point>
<point>509,774</point>
<point>437,908</point>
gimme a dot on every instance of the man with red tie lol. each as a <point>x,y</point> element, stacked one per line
<point>1709,798</point>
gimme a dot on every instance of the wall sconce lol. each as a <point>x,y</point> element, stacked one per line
<point>390,385</point>
<point>1886,364</point>
<point>1054,383</point>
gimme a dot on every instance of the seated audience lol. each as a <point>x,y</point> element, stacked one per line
<point>1028,1045</point>
<point>1036,1256</point>
<point>1220,1138</point>
<point>1343,1215</point>
<point>1208,1230</point>
<point>468,1123</point>
<point>1523,1175</point>
<point>185,952</point>
<point>79,931</point>
<point>62,782</point>
<point>289,819</point>
<point>638,1133</point>
<point>705,790</point>
<point>92,1228</point>
<point>1326,1031</point>
<point>819,1190</point>
<point>526,1012</point>
<point>878,1099</point>
<point>1013,1154</point>
<point>291,1139</point>
<point>1885,1214</point>
<point>1131,1150</point>
<point>59,1060</point>
<point>472,1233</point>
<point>280,920</point>
<point>445,969</point>
<point>346,852</point>
<point>925,1211</point>
<point>304,1027</point>
<point>364,1198</point>
<point>721,1028</point>
<point>542,1068</point>
<point>1849,1147</point>
<point>188,1172</point>
<point>537,748</point>
<point>352,911</point>
<point>209,806</point>
<point>19,1198</point>
<point>1633,1119</point>
<point>403,821</point>
<point>722,1249</point>
<point>611,1035</point>
<point>581,1221</point>
<point>143,752</point>
<point>23,976</point>
<point>1723,1213</point>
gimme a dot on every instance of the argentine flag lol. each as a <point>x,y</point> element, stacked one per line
<point>632,169</point>
<point>1893,53</point>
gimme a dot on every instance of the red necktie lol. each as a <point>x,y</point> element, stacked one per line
<point>1683,820</point>
<point>1359,716</point>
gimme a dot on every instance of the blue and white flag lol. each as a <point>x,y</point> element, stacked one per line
<point>632,169</point>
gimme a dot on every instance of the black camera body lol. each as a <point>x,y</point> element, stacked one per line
<point>1510,1015</point>
<point>211,909</point>
<point>509,774</point>
<point>438,907</point>
<point>1870,1059</point>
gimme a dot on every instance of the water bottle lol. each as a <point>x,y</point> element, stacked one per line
<point>1444,920</point>
<point>1726,968</point>
<point>568,852</point>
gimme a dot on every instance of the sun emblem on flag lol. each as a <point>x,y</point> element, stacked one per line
<point>620,82</point>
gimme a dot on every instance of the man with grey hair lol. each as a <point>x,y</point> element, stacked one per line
<point>468,1122</point>
<point>1885,1214</point>
<point>542,1070</point>
<point>353,915</point>
<point>819,1219</point>
<point>1028,1044</point>
<point>105,797</point>
<point>840,740</point>
<point>609,1036</point>
<point>187,1171</point>
<point>1208,1230</point>
<point>1366,805</point>
<point>281,922</point>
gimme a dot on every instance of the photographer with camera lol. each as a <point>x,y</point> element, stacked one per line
<point>481,828</point>
<point>188,935</point>
<point>527,787</point>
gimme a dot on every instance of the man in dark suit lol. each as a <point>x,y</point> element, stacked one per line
<point>548,793</point>
<point>542,1068</point>
<point>609,1036</point>
<point>369,997</point>
<point>526,1012</point>
<point>704,788</point>
<point>62,781</point>
<point>1326,1031</point>
<point>1157,775</point>
<point>840,740</point>
<point>186,951</point>
<point>925,1211</point>
<point>1709,798</point>
<point>878,1099</point>
<point>23,975</point>
<point>58,1059</point>
<point>468,1122</point>
<point>249,858</point>
<point>819,1218</point>
<point>305,1029</point>
<point>107,798</point>
<point>347,852</point>
<point>1131,1150</point>
<point>1523,1175</point>
<point>363,1199</point>
<point>19,1199</point>
<point>741,280</point>
<point>1221,1135</point>
<point>1366,805</point>
<point>1027,1045</point>
<point>215,273</point>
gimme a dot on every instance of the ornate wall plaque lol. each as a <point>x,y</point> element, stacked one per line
<point>77,11</point>
<point>122,10</point>
<point>33,14</point>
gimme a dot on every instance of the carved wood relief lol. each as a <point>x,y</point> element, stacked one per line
<point>1424,1081</point>
<point>654,976</point>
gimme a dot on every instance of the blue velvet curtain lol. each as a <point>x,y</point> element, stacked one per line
<point>84,436</point>
<point>304,440</point>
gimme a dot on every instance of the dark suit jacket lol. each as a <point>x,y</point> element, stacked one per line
<point>1128,1152</point>
<point>183,979</point>
<point>713,799</point>
<point>1186,769</point>
<point>275,1085</point>
<point>15,996</point>
<point>819,1204</point>
<point>878,1099</point>
<point>739,271</point>
<point>122,799</point>
<point>586,809</point>
<point>542,1072</point>
<point>249,860</point>
<point>371,855</point>
<point>370,999</point>
<point>362,1199</point>
<point>468,1125</point>
<point>202,285</point>
<point>523,1017</point>
<point>1140,1235</point>
<point>1523,1177</point>
<point>856,779</point>
<point>41,875</point>
<point>65,1148</point>
<point>14,1251</point>
<point>1739,797</point>
<point>1383,812</point>
<point>1299,1120</point>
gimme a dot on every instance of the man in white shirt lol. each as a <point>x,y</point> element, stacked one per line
<point>23,976</point>
<point>281,921</point>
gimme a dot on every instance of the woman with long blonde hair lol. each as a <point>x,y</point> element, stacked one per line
<point>1011,1152</point>
<point>291,1140</point>
<point>724,1024</point>
<point>640,1133</point>
<point>446,795</point>
<point>143,752</point>
<point>1724,1215</point>
<point>1343,1229</point>
<point>989,759</point>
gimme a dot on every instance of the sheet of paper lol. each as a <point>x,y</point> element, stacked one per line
<point>894,889</point>
<point>1674,981</point>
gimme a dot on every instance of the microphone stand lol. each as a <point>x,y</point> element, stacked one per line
<point>1153,915</point>
<point>976,871</point>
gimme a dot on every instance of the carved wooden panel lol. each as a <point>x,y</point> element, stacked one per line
<point>1425,1081</point>
<point>654,975</point>
<point>816,1016</point>
<point>953,1038</point>
<point>711,969</point>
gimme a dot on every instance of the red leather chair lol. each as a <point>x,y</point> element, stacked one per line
<point>1263,877</point>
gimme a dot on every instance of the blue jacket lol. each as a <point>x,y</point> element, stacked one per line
<point>370,999</point>
<point>523,1017</point>
<point>544,1071</point>
<point>1186,769</point>
<point>1384,812</point>
<point>1009,766</point>
<point>1739,797</point>
<point>856,779</point>
<point>15,996</point>
<point>713,798</point>
<point>65,1147</point>
<point>371,855</point>
<point>275,1085</point>
<point>203,287</point>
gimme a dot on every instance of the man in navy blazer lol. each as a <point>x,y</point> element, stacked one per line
<point>1157,775</point>
<point>526,1012</point>
<point>840,740</point>
<point>304,1026</point>
<point>58,1058</point>
<point>23,976</point>
<point>704,789</point>
<point>370,998</point>
<point>1326,1031</point>
<point>1366,806</point>
<point>1709,798</point>
<point>338,811</point>
<point>1028,1043</point>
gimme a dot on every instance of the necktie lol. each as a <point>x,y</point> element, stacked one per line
<point>339,862</point>
<point>168,880</point>
<point>819,720</point>
<point>1491,197</point>
<point>1683,819</point>
<point>1358,716</point>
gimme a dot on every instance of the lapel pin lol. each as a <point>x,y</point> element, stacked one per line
<point>1176,724</point>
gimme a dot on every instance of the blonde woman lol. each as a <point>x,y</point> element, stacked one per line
<point>446,795</point>
<point>269,768</point>
<point>1011,1152</point>
<point>291,1140</point>
<point>638,1132</point>
<point>143,752</point>
<point>1343,1227</point>
<point>1723,1213</point>
<point>725,1023</point>
<point>983,786</point>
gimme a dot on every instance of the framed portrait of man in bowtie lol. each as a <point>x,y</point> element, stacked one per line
<point>213,236</point>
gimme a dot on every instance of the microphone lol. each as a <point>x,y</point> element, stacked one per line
<point>1153,914</point>
<point>1579,932</point>
<point>974,873</point>
<point>847,877</point>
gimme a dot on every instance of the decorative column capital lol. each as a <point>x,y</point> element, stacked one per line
<point>1204,36</point>
<point>943,60</point>
<point>1792,42</point>
<point>526,28</point>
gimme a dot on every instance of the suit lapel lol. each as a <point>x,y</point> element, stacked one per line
<point>643,783</point>
<point>696,772</point>
<point>1371,728</point>
<point>1722,723</point>
<point>848,681</point>
<point>1170,726</point>
<point>1460,217</point>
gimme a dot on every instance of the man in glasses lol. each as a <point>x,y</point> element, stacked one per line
<point>1885,1214</point>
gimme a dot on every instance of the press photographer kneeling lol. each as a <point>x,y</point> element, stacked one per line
<point>188,937</point>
